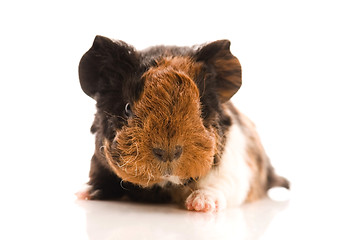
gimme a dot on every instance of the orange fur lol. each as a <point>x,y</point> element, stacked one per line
<point>166,115</point>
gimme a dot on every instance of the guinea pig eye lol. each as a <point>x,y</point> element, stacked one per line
<point>128,110</point>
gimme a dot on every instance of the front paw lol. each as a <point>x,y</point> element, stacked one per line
<point>205,201</point>
<point>87,192</point>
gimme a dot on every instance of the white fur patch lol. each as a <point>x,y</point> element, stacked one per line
<point>230,181</point>
<point>170,178</point>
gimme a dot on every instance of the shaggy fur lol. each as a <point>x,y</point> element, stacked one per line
<point>166,116</point>
<point>163,123</point>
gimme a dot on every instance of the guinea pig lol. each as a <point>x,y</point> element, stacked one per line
<point>166,130</point>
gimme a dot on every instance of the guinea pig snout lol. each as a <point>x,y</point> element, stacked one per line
<point>169,154</point>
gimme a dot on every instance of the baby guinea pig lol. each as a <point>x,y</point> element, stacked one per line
<point>166,130</point>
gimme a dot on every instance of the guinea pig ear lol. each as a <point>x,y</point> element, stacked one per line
<point>105,66</point>
<point>227,67</point>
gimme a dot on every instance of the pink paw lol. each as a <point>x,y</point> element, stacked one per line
<point>203,201</point>
<point>83,195</point>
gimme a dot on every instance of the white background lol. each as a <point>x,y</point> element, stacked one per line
<point>301,86</point>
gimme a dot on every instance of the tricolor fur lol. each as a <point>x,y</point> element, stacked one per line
<point>166,130</point>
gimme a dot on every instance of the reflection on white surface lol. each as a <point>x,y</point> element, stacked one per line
<point>121,220</point>
<point>56,214</point>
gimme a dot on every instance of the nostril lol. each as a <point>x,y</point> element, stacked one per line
<point>178,152</point>
<point>170,155</point>
<point>160,154</point>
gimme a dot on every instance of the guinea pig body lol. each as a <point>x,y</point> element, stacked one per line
<point>166,130</point>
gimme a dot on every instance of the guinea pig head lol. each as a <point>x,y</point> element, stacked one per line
<point>165,138</point>
<point>159,131</point>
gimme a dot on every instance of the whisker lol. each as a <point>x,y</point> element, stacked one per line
<point>136,169</point>
<point>115,116</point>
<point>121,185</point>
<point>125,163</point>
<point>101,150</point>
<point>136,145</point>
<point>150,176</point>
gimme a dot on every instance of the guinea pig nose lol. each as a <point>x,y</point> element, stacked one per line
<point>160,154</point>
<point>170,155</point>
<point>177,152</point>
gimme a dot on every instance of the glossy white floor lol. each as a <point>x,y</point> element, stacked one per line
<point>301,86</point>
<point>316,213</point>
